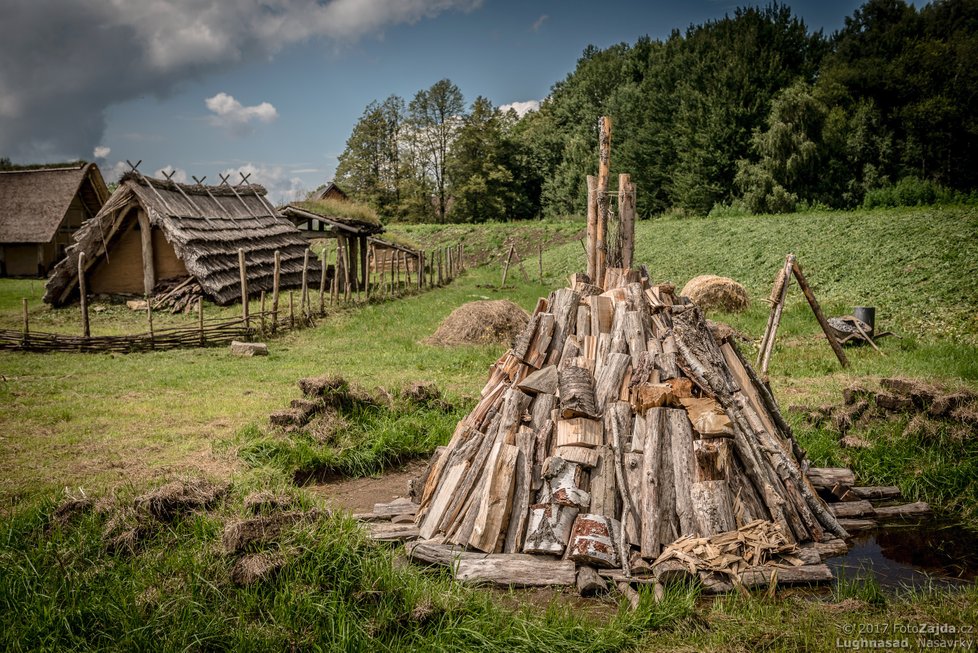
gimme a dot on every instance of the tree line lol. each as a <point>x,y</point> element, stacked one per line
<point>754,110</point>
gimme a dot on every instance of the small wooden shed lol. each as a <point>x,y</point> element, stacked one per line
<point>317,219</point>
<point>154,230</point>
<point>40,210</point>
<point>390,255</point>
<point>332,192</point>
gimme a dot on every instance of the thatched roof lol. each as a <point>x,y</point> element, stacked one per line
<point>34,201</point>
<point>349,217</point>
<point>206,225</point>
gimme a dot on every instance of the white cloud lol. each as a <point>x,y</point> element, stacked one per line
<point>538,23</point>
<point>230,113</point>
<point>55,107</point>
<point>521,108</point>
<point>280,185</point>
<point>179,174</point>
<point>101,151</point>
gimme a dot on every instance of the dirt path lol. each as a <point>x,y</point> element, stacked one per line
<point>360,494</point>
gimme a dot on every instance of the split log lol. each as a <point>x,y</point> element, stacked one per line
<point>524,338</point>
<point>831,548</point>
<point>602,311</point>
<point>583,320</point>
<point>402,506</point>
<point>603,489</point>
<point>536,354</point>
<point>583,456</point>
<point>439,554</point>
<point>635,335</point>
<point>549,528</point>
<point>542,381</point>
<point>592,541</point>
<point>494,510</point>
<point>562,483</point>
<point>514,570</point>
<point>762,576</point>
<point>580,432</point>
<point>877,493</point>
<point>515,404</point>
<point>712,507</point>
<point>564,308</point>
<point>707,417</point>
<point>672,572</point>
<point>633,464</point>
<point>388,532</point>
<point>852,509</point>
<point>855,525</point>
<point>576,393</point>
<point>609,379</point>
<point>589,582</point>
<point>645,396</point>
<point>825,478</point>
<point>681,452</point>
<point>906,511</point>
<point>658,487</point>
<point>525,441</point>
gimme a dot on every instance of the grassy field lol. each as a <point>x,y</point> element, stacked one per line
<point>116,425</point>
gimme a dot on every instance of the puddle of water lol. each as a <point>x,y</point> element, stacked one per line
<point>911,555</point>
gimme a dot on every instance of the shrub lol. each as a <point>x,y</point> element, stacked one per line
<point>910,191</point>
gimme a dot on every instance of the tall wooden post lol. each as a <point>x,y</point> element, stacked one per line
<point>200,318</point>
<point>83,294</point>
<point>27,329</point>
<point>509,258</point>
<point>371,262</point>
<point>364,267</point>
<point>304,298</point>
<point>291,310</point>
<point>592,227</point>
<point>626,216</point>
<point>146,242</point>
<point>604,170</point>
<point>243,274</point>
<point>276,279</point>
<point>261,312</point>
<point>540,260</point>
<point>334,290</point>
<point>149,319</point>
<point>322,281</point>
<point>419,269</point>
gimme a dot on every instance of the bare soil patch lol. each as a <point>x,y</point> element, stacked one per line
<point>360,494</point>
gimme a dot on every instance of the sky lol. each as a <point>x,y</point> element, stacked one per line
<point>273,88</point>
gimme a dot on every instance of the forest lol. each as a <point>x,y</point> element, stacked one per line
<point>754,112</point>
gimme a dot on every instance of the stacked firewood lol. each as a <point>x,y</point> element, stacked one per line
<point>615,427</point>
<point>177,295</point>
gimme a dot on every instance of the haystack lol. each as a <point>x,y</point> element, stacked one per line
<point>480,323</point>
<point>618,435</point>
<point>709,291</point>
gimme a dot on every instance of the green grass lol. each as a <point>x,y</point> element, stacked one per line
<point>342,209</point>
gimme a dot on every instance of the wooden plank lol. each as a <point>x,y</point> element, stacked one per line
<point>515,570</point>
<point>877,492</point>
<point>828,477</point>
<point>585,456</point>
<point>607,386</point>
<point>681,451</point>
<point>604,490</point>
<point>515,532</point>
<point>633,464</point>
<point>906,511</point>
<point>388,532</point>
<point>850,509</point>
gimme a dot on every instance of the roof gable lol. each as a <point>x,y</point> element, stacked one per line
<point>34,202</point>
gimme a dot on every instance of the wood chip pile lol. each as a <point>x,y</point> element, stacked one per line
<point>618,435</point>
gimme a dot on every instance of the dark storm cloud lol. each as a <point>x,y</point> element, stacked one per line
<point>62,63</point>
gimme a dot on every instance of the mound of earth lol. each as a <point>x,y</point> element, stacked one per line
<point>480,323</point>
<point>710,291</point>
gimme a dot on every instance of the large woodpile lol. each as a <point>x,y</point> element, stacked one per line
<point>618,435</point>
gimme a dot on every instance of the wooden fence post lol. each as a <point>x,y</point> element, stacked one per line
<point>509,258</point>
<point>626,218</point>
<point>83,294</point>
<point>291,311</point>
<point>200,318</point>
<point>275,288</point>
<point>419,267</point>
<point>371,261</point>
<point>27,329</point>
<point>149,318</point>
<point>304,298</point>
<point>322,282</point>
<point>810,296</point>
<point>540,260</point>
<point>243,273</point>
<point>261,312</point>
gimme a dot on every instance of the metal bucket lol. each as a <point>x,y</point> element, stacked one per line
<point>866,314</point>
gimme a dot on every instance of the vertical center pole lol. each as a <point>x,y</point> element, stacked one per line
<point>83,295</point>
<point>277,272</point>
<point>592,227</point>
<point>604,170</point>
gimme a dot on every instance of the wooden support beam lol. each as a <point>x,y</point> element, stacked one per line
<point>824,323</point>
<point>604,203</point>
<point>243,277</point>
<point>146,240</point>
<point>276,280</point>
<point>83,295</point>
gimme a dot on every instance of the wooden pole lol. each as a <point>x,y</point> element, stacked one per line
<point>592,227</point>
<point>261,312</point>
<point>149,318</point>
<point>347,291</point>
<point>276,280</point>
<point>626,217</point>
<point>810,296</point>
<point>335,285</point>
<point>419,269</point>
<point>371,260</point>
<point>27,329</point>
<point>200,318</point>
<point>322,283</point>
<point>83,295</point>
<point>509,258</point>
<point>604,168</point>
<point>304,298</point>
<point>540,260</point>
<point>291,311</point>
<point>243,273</point>
<point>774,319</point>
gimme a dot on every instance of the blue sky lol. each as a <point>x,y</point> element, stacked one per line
<point>292,91</point>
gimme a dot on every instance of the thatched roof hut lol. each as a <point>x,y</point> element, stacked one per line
<point>331,192</point>
<point>152,230</point>
<point>40,209</point>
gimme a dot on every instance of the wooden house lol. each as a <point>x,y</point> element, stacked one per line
<point>40,210</point>
<point>332,192</point>
<point>318,219</point>
<point>154,230</point>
